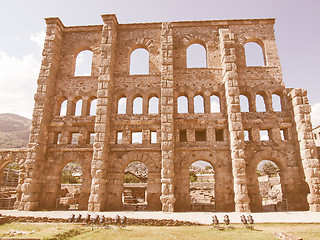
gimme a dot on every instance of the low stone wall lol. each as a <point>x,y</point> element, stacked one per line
<point>108,221</point>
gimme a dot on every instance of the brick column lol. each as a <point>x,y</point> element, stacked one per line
<point>42,113</point>
<point>308,152</point>
<point>167,127</point>
<point>230,78</point>
<point>97,199</point>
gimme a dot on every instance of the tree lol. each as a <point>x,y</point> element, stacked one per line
<point>270,169</point>
<point>193,177</point>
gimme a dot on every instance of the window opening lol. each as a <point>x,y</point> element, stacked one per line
<point>91,138</point>
<point>183,135</point>
<point>284,134</point>
<point>198,104</point>
<point>119,137</point>
<point>182,104</point>
<point>254,54</point>
<point>276,103</point>
<point>75,137</point>
<point>214,104</point>
<point>219,134</point>
<point>63,108</point>
<point>57,138</point>
<point>137,105</point>
<point>196,56</point>
<point>122,106</point>
<point>93,107</point>
<point>264,135</point>
<point>260,104</point>
<point>78,108</point>
<point>246,135</point>
<point>84,63</point>
<point>139,62</point>
<point>153,105</point>
<point>200,135</point>
<point>244,103</point>
<point>136,138</point>
<point>153,137</point>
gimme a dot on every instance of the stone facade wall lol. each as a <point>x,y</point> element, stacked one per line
<point>222,143</point>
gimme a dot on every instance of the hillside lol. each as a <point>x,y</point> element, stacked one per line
<point>14,131</point>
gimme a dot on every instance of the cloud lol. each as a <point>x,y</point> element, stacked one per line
<point>315,114</point>
<point>18,80</point>
<point>38,38</point>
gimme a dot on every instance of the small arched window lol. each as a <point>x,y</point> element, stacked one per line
<point>244,103</point>
<point>84,63</point>
<point>196,56</point>
<point>198,104</point>
<point>139,62</point>
<point>78,108</point>
<point>182,104</point>
<point>122,105</point>
<point>93,107</point>
<point>214,104</point>
<point>153,105</point>
<point>276,103</point>
<point>137,105</point>
<point>260,104</point>
<point>63,108</point>
<point>254,54</point>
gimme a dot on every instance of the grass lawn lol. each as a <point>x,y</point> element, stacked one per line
<point>73,231</point>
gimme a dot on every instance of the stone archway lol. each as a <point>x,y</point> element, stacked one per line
<point>115,181</point>
<point>224,200</point>
<point>202,187</point>
<point>293,186</point>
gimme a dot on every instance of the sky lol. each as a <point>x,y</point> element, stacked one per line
<point>22,25</point>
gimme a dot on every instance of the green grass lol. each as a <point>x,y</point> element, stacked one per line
<point>63,231</point>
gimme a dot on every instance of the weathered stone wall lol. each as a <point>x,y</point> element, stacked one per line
<point>222,143</point>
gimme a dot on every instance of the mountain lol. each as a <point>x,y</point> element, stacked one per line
<point>14,131</point>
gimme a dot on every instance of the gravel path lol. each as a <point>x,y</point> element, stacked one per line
<point>199,217</point>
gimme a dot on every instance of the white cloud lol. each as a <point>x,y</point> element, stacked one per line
<point>38,38</point>
<point>18,80</point>
<point>315,114</point>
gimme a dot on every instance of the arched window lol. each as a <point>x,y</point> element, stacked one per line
<point>153,105</point>
<point>198,104</point>
<point>260,104</point>
<point>276,103</point>
<point>84,63</point>
<point>254,54</point>
<point>137,105</point>
<point>93,107</point>
<point>244,103</point>
<point>139,62</point>
<point>78,108</point>
<point>122,105</point>
<point>63,108</point>
<point>214,104</point>
<point>196,56</point>
<point>182,104</point>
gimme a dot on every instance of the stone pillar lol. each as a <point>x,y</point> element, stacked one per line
<point>167,127</point>
<point>237,145</point>
<point>42,113</point>
<point>97,197</point>
<point>308,152</point>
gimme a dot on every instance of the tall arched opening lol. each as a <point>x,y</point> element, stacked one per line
<point>202,187</point>
<point>9,182</point>
<point>135,197</point>
<point>268,174</point>
<point>70,196</point>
